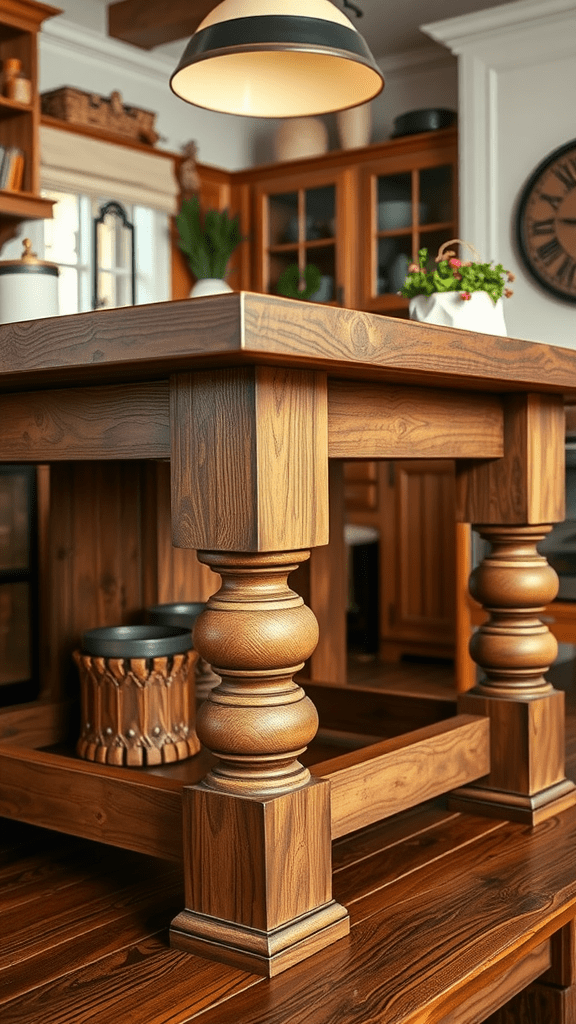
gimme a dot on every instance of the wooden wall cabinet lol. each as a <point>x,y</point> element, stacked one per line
<point>412,505</point>
<point>20,22</point>
<point>360,215</point>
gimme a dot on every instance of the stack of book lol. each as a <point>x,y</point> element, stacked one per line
<point>11,168</point>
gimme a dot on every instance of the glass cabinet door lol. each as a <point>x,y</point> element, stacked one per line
<point>300,230</point>
<point>413,211</point>
<point>404,212</point>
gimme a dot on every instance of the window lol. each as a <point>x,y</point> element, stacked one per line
<point>68,240</point>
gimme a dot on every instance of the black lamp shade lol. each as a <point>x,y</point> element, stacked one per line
<point>276,62</point>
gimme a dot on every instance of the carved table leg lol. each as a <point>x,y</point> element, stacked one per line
<point>515,648</point>
<point>249,463</point>
<point>257,829</point>
<point>512,496</point>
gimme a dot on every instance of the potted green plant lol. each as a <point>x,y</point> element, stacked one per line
<point>299,284</point>
<point>208,242</point>
<point>456,293</point>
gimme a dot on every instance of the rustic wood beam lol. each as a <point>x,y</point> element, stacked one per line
<point>386,778</point>
<point>147,24</point>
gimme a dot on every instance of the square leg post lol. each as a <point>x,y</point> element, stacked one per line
<point>514,500</point>
<point>250,493</point>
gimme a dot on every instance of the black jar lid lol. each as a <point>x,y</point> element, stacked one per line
<point>152,641</point>
<point>177,613</point>
<point>29,263</point>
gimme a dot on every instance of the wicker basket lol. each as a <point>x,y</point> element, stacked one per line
<point>107,113</point>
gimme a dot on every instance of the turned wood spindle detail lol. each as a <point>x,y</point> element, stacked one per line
<point>514,583</point>
<point>256,633</point>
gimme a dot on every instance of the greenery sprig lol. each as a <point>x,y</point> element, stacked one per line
<point>207,242</point>
<point>299,284</point>
<point>450,274</point>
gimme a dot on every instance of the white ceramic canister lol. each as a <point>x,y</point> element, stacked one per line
<point>28,287</point>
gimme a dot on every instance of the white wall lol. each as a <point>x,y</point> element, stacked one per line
<point>517,102</point>
<point>79,53</point>
<point>76,50</point>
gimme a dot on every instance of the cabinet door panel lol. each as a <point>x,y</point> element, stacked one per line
<point>301,220</point>
<point>408,201</point>
<point>420,552</point>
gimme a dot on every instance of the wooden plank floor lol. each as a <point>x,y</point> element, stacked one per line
<point>83,927</point>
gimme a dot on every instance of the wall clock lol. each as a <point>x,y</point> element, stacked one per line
<point>546,223</point>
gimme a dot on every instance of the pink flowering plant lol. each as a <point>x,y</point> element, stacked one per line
<point>450,274</point>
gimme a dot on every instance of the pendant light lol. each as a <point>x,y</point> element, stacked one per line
<point>277,58</point>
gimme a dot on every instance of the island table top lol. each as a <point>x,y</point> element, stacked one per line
<point>151,342</point>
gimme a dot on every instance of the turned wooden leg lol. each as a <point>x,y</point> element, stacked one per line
<point>249,464</point>
<point>257,829</point>
<point>515,648</point>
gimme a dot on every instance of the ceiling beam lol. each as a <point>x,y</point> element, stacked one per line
<point>149,23</point>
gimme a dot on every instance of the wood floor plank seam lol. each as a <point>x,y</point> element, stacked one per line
<point>419,868</point>
<point>146,975</point>
<point>20,947</point>
<point>25,985</point>
<point>395,842</point>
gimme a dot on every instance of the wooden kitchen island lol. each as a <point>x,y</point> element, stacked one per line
<point>249,397</point>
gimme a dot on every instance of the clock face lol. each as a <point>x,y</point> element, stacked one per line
<point>546,223</point>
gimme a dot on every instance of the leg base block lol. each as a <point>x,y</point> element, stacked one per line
<point>529,810</point>
<point>265,953</point>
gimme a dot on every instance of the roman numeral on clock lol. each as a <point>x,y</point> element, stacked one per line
<point>550,251</point>
<point>565,272</point>
<point>566,173</point>
<point>542,227</point>
<point>553,200</point>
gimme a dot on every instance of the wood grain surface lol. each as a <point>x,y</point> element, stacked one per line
<point>369,711</point>
<point>157,339</point>
<point>96,561</point>
<point>388,777</point>
<point>131,421</point>
<point>451,915</point>
<point>527,484</point>
<point>249,460</point>
<point>36,724</point>
<point>122,422</point>
<point>132,811</point>
<point>325,588</point>
<point>412,423</point>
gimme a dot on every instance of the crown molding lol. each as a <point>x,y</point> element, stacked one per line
<point>64,36</point>
<point>508,23</point>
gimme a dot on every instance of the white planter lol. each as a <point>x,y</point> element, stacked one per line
<point>209,286</point>
<point>355,126</point>
<point>447,309</point>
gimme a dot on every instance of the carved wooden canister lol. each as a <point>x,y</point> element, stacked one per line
<point>185,613</point>
<point>138,703</point>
